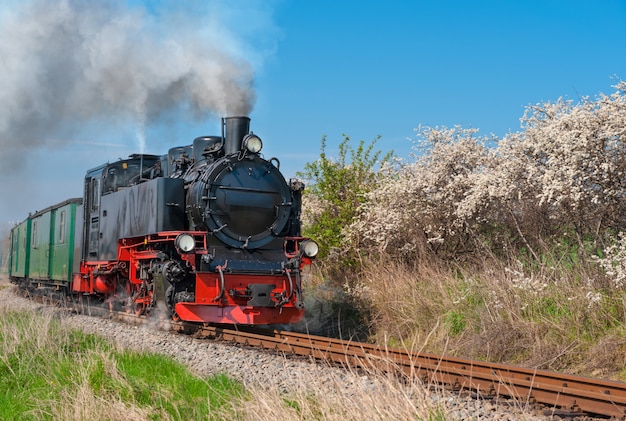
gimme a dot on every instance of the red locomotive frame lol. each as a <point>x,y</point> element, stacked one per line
<point>220,297</point>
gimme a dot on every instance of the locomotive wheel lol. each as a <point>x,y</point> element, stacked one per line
<point>169,298</point>
<point>170,302</point>
<point>132,308</point>
<point>139,299</point>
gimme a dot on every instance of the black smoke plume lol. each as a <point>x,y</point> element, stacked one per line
<point>67,63</point>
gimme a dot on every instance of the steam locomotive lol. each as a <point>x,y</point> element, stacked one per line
<point>209,232</point>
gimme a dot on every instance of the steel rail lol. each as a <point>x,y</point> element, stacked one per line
<point>567,392</point>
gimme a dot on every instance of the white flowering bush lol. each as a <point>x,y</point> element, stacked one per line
<point>614,261</point>
<point>564,173</point>
<point>422,204</point>
<point>575,159</point>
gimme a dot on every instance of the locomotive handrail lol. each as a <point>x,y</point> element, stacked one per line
<point>247,189</point>
<point>220,270</point>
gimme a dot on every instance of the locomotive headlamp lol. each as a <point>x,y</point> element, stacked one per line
<point>252,143</point>
<point>185,243</point>
<point>310,248</point>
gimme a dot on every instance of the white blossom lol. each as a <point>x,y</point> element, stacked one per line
<point>565,169</point>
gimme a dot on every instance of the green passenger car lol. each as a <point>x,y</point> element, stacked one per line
<point>39,251</point>
<point>42,246</point>
<point>20,244</point>
<point>62,241</point>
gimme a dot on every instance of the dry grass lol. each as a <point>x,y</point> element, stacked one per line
<point>80,403</point>
<point>376,392</point>
<point>332,400</point>
<point>368,394</point>
<point>558,320</point>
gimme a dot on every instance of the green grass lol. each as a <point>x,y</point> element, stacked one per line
<point>47,372</point>
<point>455,321</point>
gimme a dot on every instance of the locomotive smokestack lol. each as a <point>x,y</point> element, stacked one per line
<point>235,129</point>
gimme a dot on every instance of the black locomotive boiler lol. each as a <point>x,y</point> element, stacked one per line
<point>209,232</point>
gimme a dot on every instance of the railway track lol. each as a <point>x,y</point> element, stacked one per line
<point>562,394</point>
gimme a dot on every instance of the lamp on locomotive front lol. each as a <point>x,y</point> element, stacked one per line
<point>252,143</point>
<point>185,243</point>
<point>310,248</point>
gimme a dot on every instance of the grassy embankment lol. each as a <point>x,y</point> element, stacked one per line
<point>50,373</point>
<point>47,372</point>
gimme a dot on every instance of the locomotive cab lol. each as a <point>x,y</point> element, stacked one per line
<point>119,202</point>
<point>128,172</point>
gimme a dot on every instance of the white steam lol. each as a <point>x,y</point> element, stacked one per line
<point>70,62</point>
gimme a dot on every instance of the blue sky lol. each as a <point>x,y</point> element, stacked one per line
<point>387,67</point>
<point>360,68</point>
